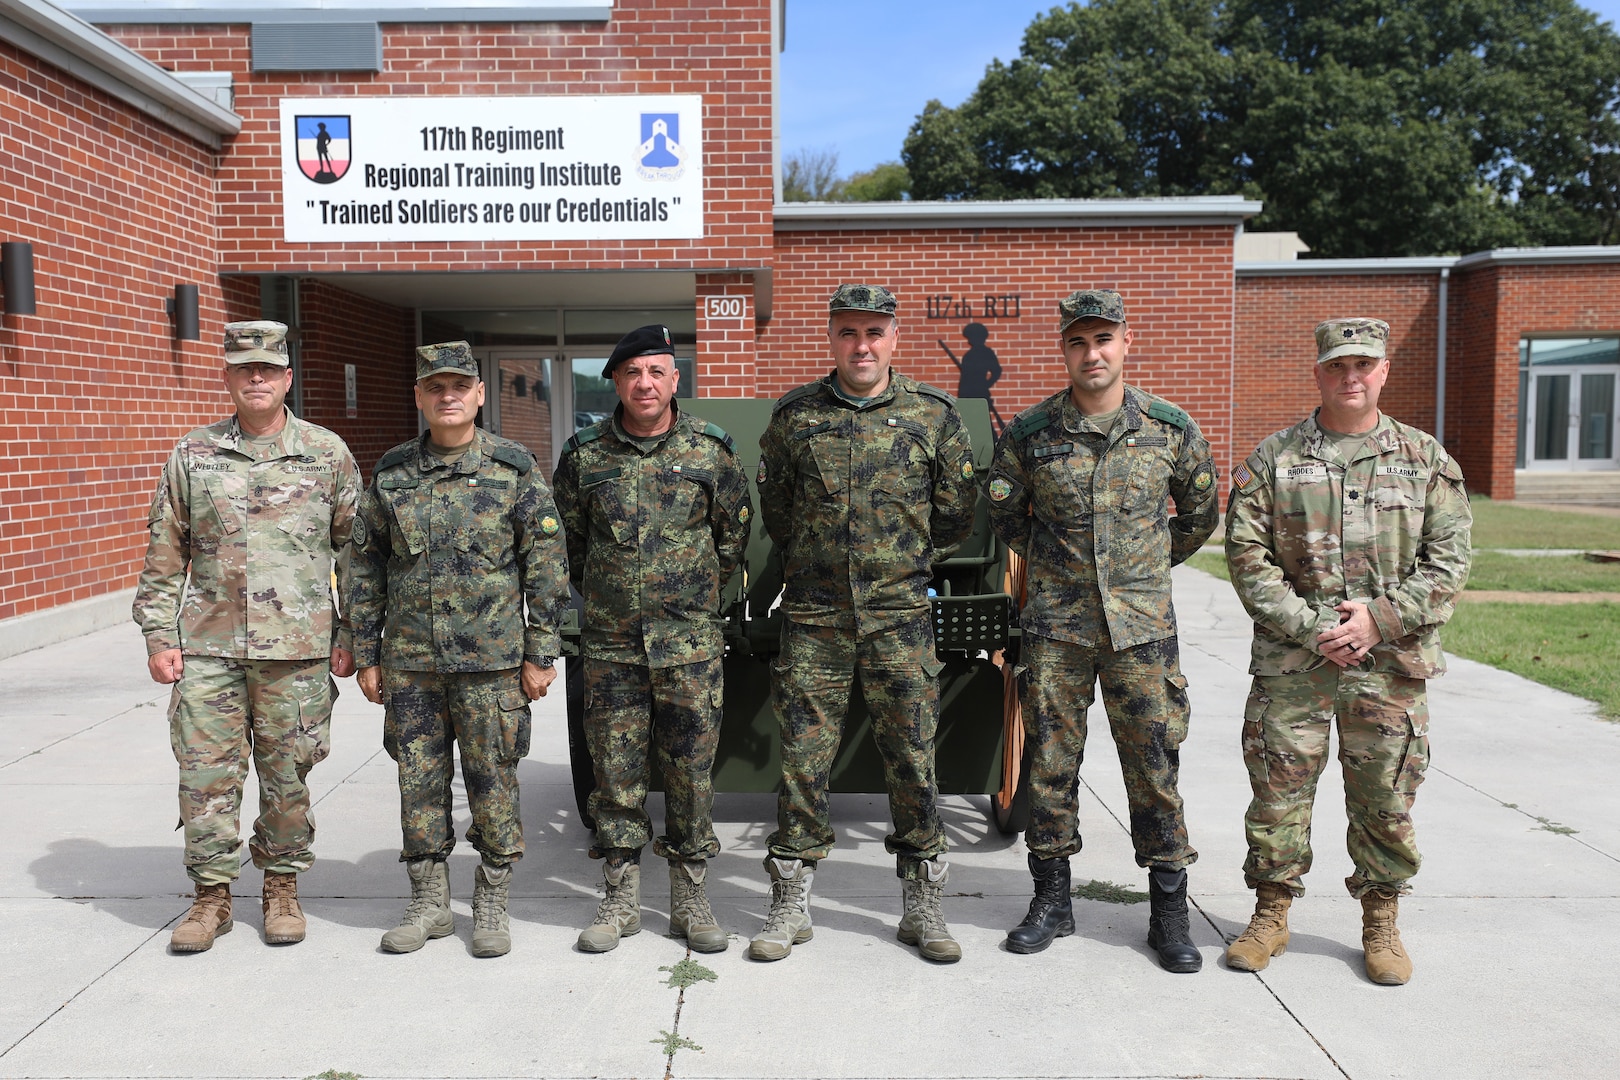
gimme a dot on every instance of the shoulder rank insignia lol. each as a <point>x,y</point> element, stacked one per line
<point>1163,410</point>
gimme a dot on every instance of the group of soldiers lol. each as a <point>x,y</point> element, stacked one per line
<point>1347,537</point>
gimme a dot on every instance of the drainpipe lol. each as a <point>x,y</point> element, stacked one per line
<point>1440,361</point>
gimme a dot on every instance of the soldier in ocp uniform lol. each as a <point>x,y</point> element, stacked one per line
<point>656,510</point>
<point>235,601</point>
<point>865,481</point>
<point>1079,488</point>
<point>1347,537</point>
<point>457,585</point>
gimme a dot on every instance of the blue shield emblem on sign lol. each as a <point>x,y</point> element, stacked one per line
<point>660,155</point>
<point>324,147</point>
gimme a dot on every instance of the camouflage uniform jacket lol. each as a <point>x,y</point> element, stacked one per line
<point>1305,530</point>
<point>653,534</point>
<point>864,499</point>
<point>258,530</point>
<point>1089,512</point>
<point>447,555</point>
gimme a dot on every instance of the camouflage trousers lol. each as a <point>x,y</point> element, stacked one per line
<point>1145,697</point>
<point>810,686</point>
<point>670,715</point>
<point>486,715</point>
<point>222,710</point>
<point>1383,722</point>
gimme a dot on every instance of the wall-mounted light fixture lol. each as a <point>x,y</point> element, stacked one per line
<point>182,309</point>
<point>17,276</point>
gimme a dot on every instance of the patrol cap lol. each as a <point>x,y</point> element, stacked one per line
<point>258,342</point>
<point>1090,304</point>
<point>862,298</point>
<point>1351,337</point>
<point>446,356</point>
<point>651,340</point>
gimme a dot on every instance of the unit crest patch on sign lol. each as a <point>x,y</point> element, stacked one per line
<point>1000,489</point>
<point>660,155</point>
<point>323,147</point>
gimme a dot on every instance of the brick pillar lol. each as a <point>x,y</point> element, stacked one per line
<point>726,345</point>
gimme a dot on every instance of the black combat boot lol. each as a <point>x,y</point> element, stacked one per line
<point>1168,931</point>
<point>1051,913</point>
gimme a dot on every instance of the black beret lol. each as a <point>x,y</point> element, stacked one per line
<point>642,341</point>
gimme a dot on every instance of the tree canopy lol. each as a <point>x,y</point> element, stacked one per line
<point>1370,127</point>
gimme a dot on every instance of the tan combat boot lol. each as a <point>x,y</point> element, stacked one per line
<point>1387,962</point>
<point>210,916</point>
<point>283,918</point>
<point>689,913</point>
<point>1267,935</point>
<point>923,923</point>
<point>619,913</point>
<point>788,922</point>
<point>428,914</point>
<point>492,930</point>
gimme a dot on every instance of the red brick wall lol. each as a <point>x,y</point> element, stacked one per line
<point>94,389</point>
<point>1272,387</point>
<point>1554,300</point>
<point>718,48</point>
<point>1177,284</point>
<point>340,327</point>
<point>1482,394</point>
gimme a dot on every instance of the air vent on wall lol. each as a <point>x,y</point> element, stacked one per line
<point>326,46</point>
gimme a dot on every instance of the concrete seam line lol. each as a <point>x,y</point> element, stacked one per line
<point>1518,810</point>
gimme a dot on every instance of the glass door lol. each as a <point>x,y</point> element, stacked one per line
<point>1572,419</point>
<point>1568,418</point>
<point>520,399</point>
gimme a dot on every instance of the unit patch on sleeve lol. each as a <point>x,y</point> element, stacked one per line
<point>1000,489</point>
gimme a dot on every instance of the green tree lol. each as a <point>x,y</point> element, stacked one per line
<point>886,182</point>
<point>1371,127</point>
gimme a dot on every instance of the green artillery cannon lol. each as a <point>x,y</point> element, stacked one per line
<point>980,737</point>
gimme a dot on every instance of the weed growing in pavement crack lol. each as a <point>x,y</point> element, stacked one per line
<point>1108,893</point>
<point>672,1042</point>
<point>688,972</point>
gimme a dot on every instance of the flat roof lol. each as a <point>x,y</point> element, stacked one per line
<point>197,12</point>
<point>1013,213</point>
<point>1543,256</point>
<point>64,41</point>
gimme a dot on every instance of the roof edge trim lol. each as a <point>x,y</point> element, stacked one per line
<point>1016,213</point>
<point>62,40</point>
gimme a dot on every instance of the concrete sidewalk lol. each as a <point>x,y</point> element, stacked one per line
<point>1516,910</point>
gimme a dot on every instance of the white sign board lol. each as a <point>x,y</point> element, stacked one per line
<point>492,168</point>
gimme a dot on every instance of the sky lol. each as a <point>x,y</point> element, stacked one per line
<point>856,73</point>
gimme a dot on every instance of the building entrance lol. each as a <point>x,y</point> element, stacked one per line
<point>1568,398</point>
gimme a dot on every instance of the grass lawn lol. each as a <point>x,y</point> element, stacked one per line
<point>1508,525</point>
<point>1570,647</point>
<point>1210,562</point>
<point>1542,573</point>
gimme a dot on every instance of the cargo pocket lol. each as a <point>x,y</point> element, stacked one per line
<point>515,725</point>
<point>1175,728</point>
<point>1254,738</point>
<point>1415,757</point>
<point>313,740</point>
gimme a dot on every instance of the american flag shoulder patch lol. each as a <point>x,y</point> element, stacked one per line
<point>1241,476</point>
